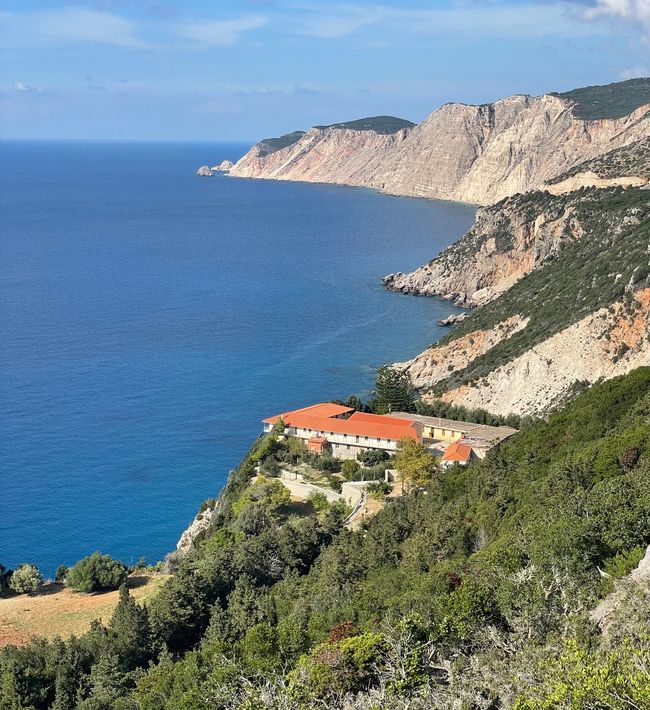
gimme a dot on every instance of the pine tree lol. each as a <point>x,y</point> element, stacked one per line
<point>130,632</point>
<point>394,391</point>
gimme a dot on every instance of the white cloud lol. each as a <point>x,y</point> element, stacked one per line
<point>67,25</point>
<point>635,72</point>
<point>220,33</point>
<point>463,19</point>
<point>633,11</point>
<point>20,87</point>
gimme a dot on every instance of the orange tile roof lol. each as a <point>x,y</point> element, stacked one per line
<point>377,427</point>
<point>324,409</point>
<point>392,421</point>
<point>457,452</point>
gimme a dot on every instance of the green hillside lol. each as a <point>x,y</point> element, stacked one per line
<point>609,101</point>
<point>269,145</point>
<point>630,160</point>
<point>473,592</point>
<point>379,124</point>
<point>586,274</point>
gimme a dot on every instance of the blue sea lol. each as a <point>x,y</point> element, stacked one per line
<point>151,318</point>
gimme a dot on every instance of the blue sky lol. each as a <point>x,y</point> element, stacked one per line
<point>245,69</point>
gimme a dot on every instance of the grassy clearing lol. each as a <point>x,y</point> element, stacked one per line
<point>58,611</point>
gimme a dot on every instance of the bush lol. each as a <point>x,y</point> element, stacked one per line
<point>59,575</point>
<point>378,489</point>
<point>372,457</point>
<point>26,579</point>
<point>96,573</point>
<point>349,468</point>
<point>318,501</point>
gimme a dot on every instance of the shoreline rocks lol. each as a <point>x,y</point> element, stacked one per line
<point>452,319</point>
<point>207,171</point>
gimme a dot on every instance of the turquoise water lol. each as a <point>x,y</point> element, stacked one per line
<point>151,319</point>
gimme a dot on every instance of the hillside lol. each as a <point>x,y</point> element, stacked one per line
<point>477,154</point>
<point>379,124</point>
<point>563,285</point>
<point>593,103</point>
<point>477,591</point>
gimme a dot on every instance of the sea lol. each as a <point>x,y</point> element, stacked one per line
<point>150,319</point>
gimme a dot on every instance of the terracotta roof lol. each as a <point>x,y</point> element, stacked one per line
<point>457,452</point>
<point>317,440</point>
<point>377,427</point>
<point>394,421</point>
<point>324,409</point>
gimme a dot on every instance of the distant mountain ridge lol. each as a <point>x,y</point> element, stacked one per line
<point>478,154</point>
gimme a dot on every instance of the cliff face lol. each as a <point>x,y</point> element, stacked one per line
<point>609,342</point>
<point>477,154</point>
<point>504,244</point>
<point>564,288</point>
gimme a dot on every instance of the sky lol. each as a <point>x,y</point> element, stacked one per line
<point>247,69</point>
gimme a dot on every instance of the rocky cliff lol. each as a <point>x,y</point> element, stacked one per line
<point>477,154</point>
<point>564,288</point>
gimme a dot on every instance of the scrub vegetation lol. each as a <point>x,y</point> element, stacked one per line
<point>474,590</point>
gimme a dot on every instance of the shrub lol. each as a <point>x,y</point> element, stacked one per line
<point>378,489</point>
<point>371,457</point>
<point>318,501</point>
<point>96,573</point>
<point>349,468</point>
<point>59,575</point>
<point>26,579</point>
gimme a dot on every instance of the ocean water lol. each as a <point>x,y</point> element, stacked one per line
<point>150,319</point>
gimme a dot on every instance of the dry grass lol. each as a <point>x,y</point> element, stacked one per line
<point>58,611</point>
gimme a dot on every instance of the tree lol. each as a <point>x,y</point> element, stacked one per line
<point>59,575</point>
<point>26,579</point>
<point>372,457</point>
<point>130,632</point>
<point>96,573</point>
<point>414,462</point>
<point>348,468</point>
<point>394,391</point>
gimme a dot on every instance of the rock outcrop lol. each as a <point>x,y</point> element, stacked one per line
<point>609,342</point>
<point>476,154</point>
<point>207,171</point>
<point>503,245</point>
<point>195,530</point>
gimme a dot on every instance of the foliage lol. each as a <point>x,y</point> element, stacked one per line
<point>415,463</point>
<point>349,468</point>
<point>26,579</point>
<point>473,591</point>
<point>604,266</point>
<point>394,391</point>
<point>96,573</point>
<point>379,124</point>
<point>378,489</point>
<point>371,457</point>
<point>609,101</point>
<point>318,501</point>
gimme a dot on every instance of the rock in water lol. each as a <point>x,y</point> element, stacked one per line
<point>224,166</point>
<point>452,319</point>
<point>205,171</point>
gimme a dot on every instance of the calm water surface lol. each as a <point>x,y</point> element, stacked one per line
<point>150,319</point>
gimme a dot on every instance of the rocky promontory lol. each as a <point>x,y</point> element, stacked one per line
<point>476,154</point>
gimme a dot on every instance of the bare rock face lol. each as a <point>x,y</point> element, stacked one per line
<point>611,341</point>
<point>195,531</point>
<point>476,154</point>
<point>205,171</point>
<point>502,246</point>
